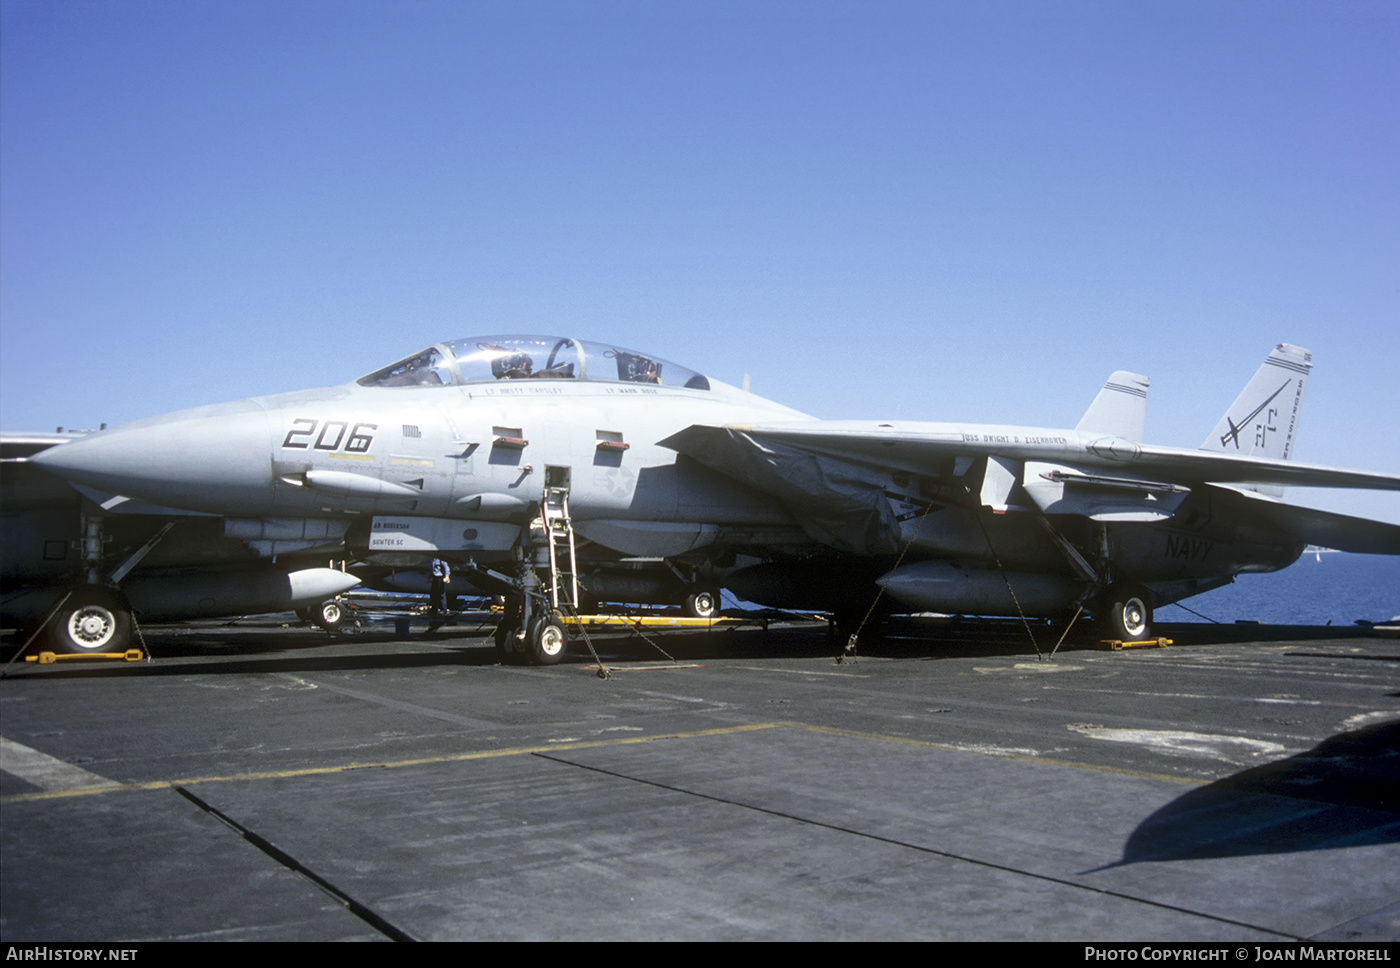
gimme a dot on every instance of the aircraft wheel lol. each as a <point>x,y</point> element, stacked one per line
<point>1128,614</point>
<point>702,604</point>
<point>94,619</point>
<point>329,615</point>
<point>547,641</point>
<point>505,643</point>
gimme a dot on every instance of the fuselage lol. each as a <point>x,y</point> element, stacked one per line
<point>507,455</point>
<point>422,444</point>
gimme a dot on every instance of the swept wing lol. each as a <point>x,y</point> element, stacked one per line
<point>830,472</point>
<point>915,447</point>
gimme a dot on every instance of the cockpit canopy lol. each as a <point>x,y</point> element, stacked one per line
<point>485,359</point>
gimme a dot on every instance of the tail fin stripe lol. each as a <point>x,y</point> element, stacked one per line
<point>1121,388</point>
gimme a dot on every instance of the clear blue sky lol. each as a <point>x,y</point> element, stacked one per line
<point>918,210</point>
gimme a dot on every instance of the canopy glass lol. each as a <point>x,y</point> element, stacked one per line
<point>485,359</point>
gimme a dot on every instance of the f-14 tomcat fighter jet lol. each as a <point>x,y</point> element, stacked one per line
<point>559,472</point>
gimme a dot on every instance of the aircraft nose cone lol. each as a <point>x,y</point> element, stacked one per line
<point>214,459</point>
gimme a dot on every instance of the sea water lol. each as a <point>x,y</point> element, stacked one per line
<point>1321,588</point>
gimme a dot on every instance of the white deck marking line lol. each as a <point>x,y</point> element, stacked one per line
<point>47,772</point>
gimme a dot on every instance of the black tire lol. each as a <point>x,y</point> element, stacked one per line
<point>508,646</point>
<point>1127,613</point>
<point>329,615</point>
<point>93,619</point>
<point>505,644</point>
<point>547,641</point>
<point>703,603</point>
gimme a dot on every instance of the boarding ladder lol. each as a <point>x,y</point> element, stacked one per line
<point>563,563</point>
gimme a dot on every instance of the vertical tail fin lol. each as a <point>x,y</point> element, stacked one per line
<point>1263,420</point>
<point>1120,409</point>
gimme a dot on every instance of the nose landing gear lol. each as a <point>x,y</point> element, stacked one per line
<point>93,619</point>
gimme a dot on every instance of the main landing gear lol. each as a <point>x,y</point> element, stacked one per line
<point>544,641</point>
<point>329,615</point>
<point>542,585</point>
<point>1123,610</point>
<point>1125,613</point>
<point>703,603</point>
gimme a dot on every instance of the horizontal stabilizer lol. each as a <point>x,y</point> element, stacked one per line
<point>1327,529</point>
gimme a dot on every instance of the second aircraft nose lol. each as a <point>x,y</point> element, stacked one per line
<point>215,459</point>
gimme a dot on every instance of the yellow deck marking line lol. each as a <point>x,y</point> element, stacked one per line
<point>653,667</point>
<point>587,744</point>
<point>651,621</point>
<point>386,764</point>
